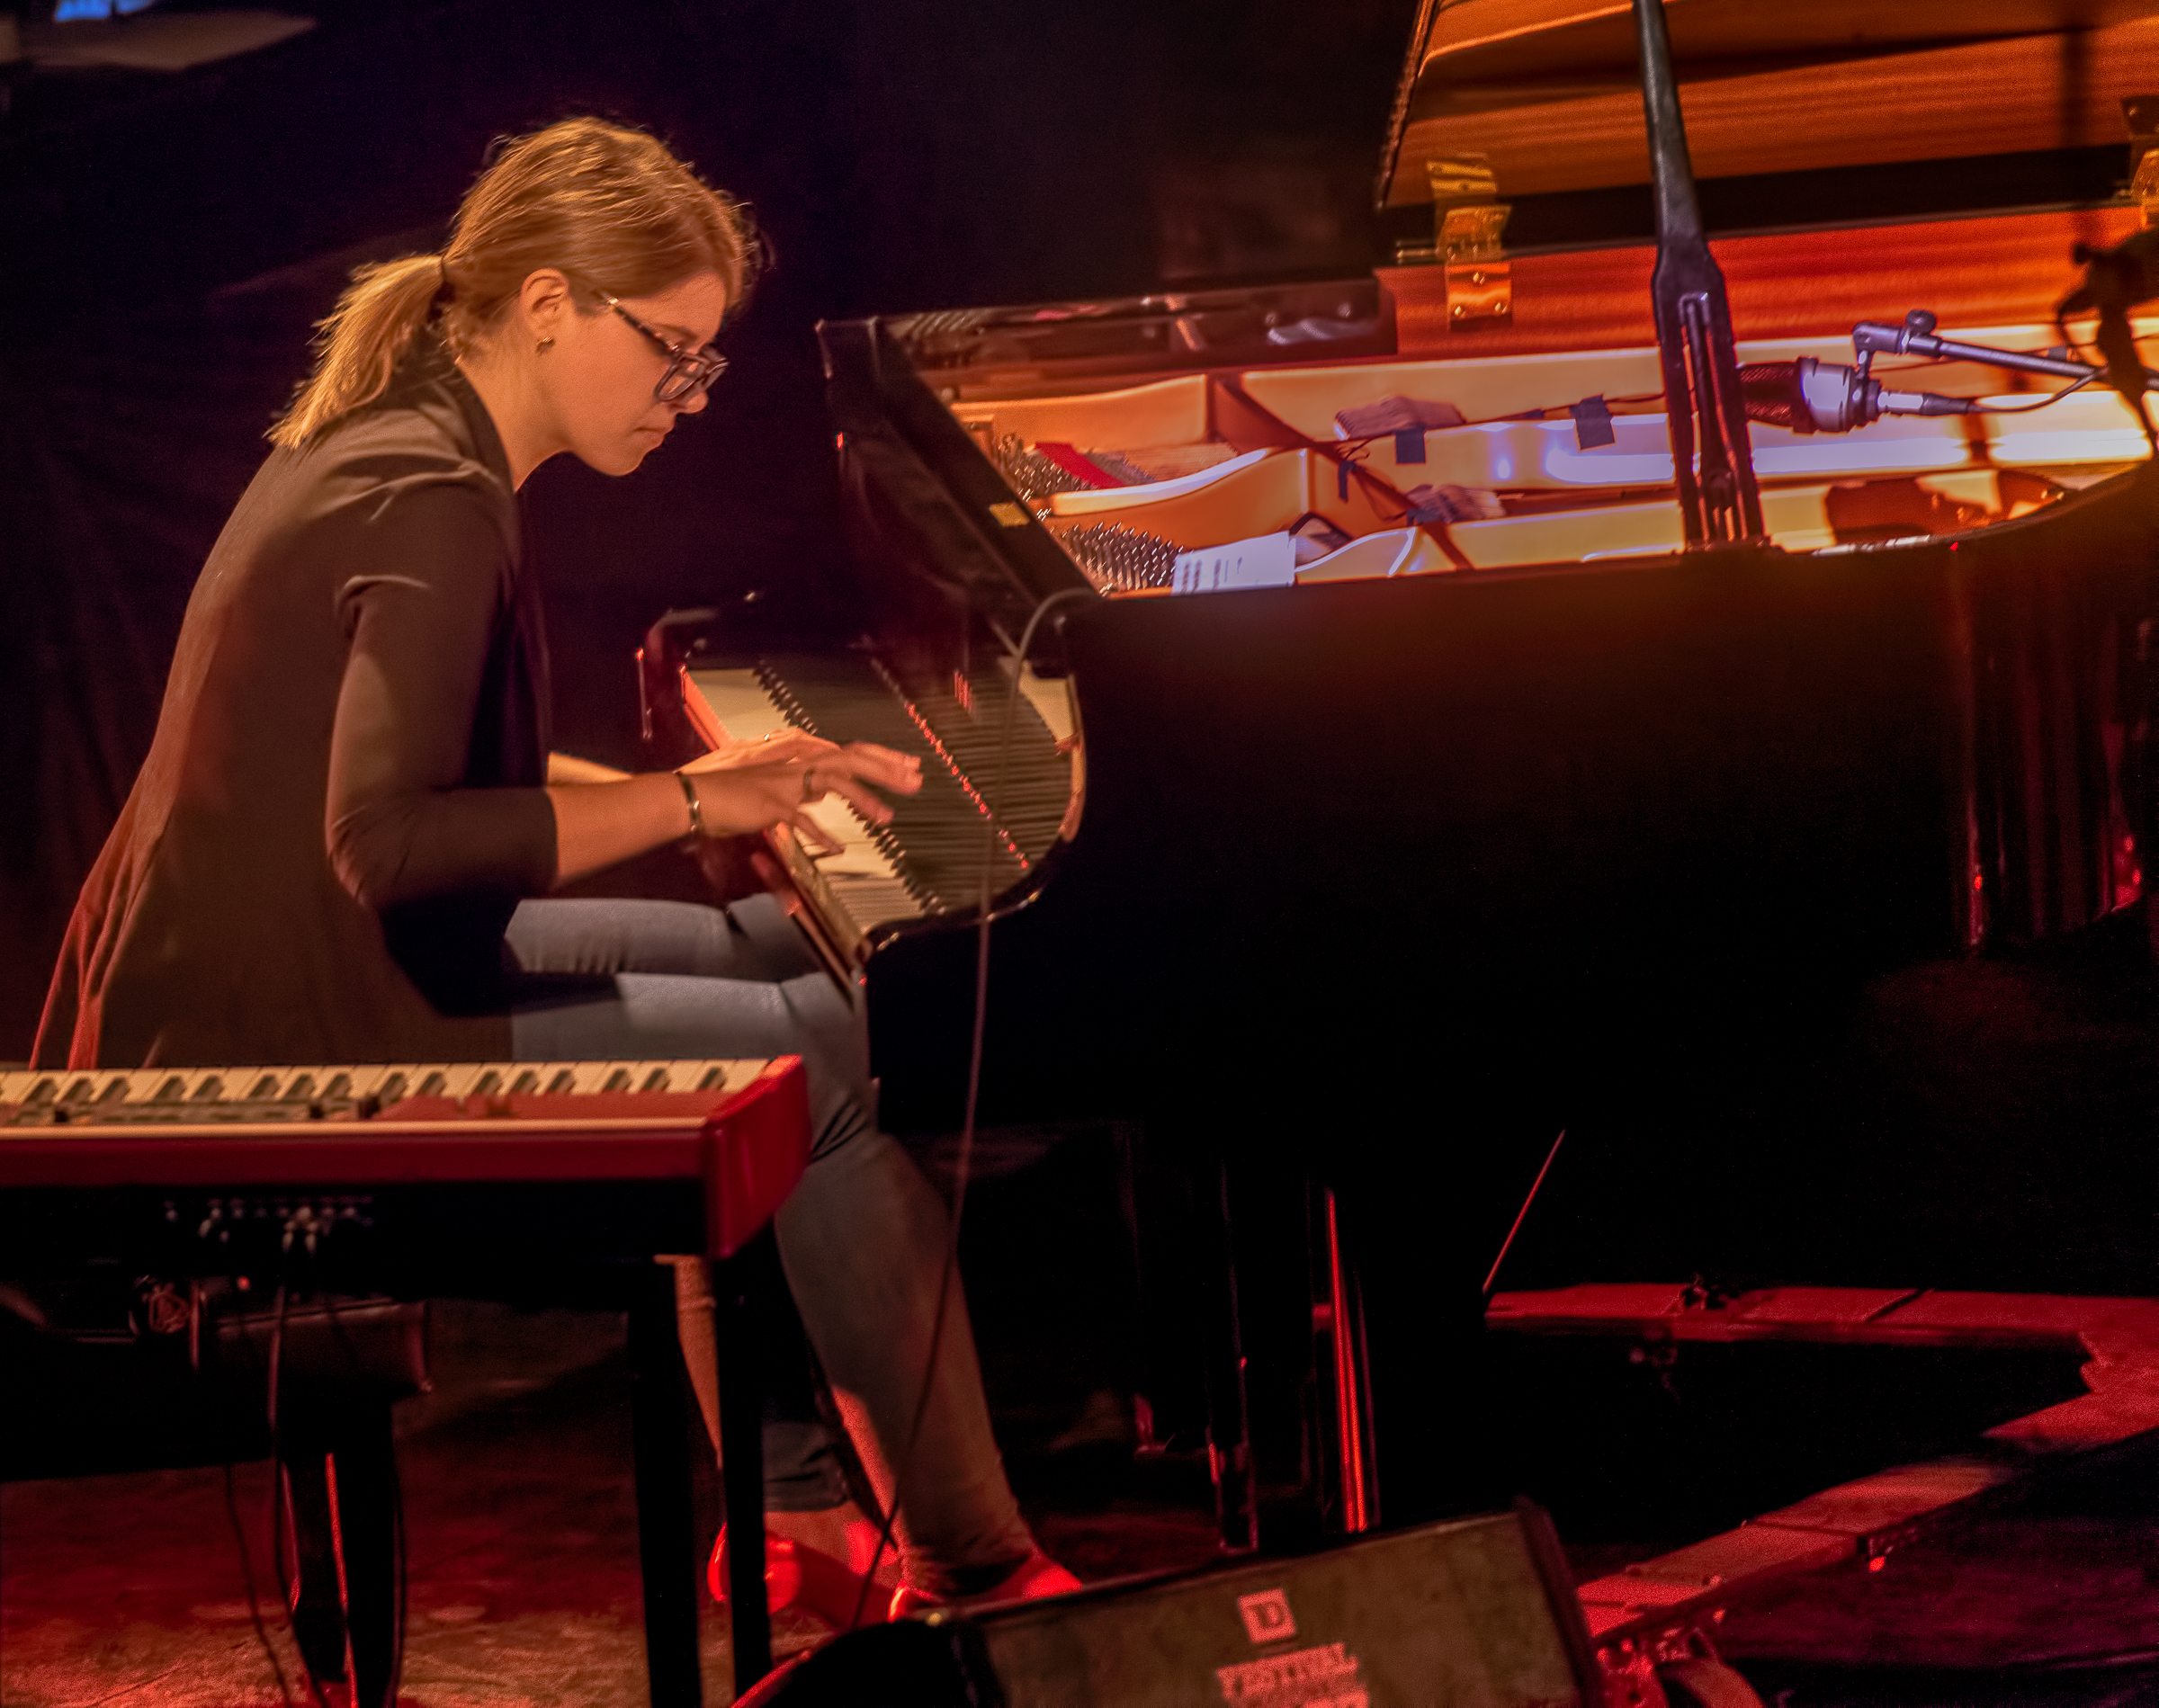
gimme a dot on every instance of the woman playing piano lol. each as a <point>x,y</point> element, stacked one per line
<point>332,851</point>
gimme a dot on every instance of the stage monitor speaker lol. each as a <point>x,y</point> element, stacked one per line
<point>1475,1613</point>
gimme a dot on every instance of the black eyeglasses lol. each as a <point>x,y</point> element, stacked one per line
<point>689,372</point>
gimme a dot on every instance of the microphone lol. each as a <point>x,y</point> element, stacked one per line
<point>1807,396</point>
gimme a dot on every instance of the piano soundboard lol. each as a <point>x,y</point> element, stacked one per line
<point>980,797</point>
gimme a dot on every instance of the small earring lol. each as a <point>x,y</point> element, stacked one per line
<point>545,345</point>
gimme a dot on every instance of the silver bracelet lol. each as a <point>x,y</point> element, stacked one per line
<point>689,794</point>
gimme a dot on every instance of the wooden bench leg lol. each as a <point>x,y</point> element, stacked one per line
<point>666,1526</point>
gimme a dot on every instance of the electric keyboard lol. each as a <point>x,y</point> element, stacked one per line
<point>738,1130</point>
<point>555,1182</point>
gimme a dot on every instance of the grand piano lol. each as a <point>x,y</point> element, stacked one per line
<point>1367,765</point>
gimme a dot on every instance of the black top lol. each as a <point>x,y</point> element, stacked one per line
<point>343,802</point>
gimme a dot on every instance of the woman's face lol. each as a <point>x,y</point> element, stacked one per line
<point>600,373</point>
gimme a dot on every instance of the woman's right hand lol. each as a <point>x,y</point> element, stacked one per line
<point>750,786</point>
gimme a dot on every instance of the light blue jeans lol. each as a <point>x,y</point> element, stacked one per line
<point>863,1237</point>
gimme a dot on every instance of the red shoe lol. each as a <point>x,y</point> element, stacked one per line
<point>799,1576</point>
<point>1033,1578</point>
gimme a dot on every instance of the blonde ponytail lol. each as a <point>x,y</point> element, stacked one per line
<point>362,342</point>
<point>608,206</point>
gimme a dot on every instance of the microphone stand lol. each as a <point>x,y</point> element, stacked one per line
<point>1703,400</point>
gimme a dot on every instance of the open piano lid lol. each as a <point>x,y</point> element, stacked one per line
<point>1549,90</point>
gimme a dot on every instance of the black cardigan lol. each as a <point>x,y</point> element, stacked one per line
<point>342,803</point>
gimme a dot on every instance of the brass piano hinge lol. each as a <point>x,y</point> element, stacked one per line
<point>1468,218</point>
<point>2141,113</point>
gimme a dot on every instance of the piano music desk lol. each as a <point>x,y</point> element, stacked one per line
<point>478,1179</point>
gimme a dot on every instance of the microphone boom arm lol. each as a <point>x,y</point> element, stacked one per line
<point>1917,337</point>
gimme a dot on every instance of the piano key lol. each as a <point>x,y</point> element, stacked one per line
<point>113,1093</point>
<point>387,1083</point>
<point>873,901</point>
<point>931,857</point>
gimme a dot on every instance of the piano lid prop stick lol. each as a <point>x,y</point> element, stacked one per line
<point>1536,1187</point>
<point>1703,400</point>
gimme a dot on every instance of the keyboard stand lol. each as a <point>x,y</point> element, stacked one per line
<point>666,1540</point>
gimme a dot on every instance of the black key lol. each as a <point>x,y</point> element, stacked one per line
<point>619,1081</point>
<point>656,1080</point>
<point>487,1084</point>
<point>567,1080</point>
<point>434,1085</point>
<point>529,1080</point>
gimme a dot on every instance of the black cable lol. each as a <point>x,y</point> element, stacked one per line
<point>1558,411</point>
<point>964,1165</point>
<point>2052,397</point>
<point>255,1601</point>
<point>278,1506</point>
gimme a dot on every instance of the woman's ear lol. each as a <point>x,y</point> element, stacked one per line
<point>543,303</point>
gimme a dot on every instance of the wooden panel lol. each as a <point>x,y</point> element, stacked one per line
<point>1982,98</point>
<point>1493,42</point>
<point>1889,1498</point>
<point>1970,272</point>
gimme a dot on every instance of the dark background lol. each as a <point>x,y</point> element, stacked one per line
<point>167,241</point>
